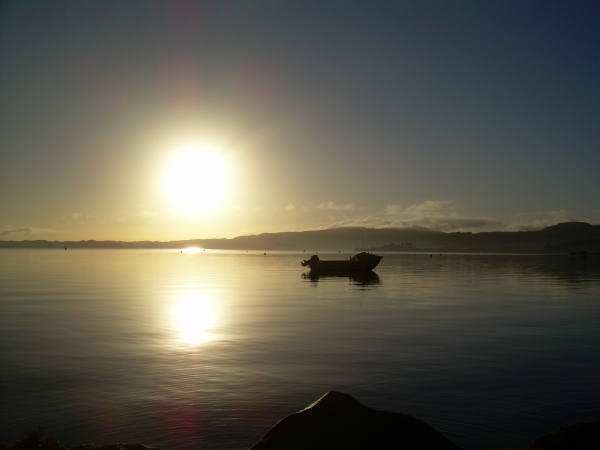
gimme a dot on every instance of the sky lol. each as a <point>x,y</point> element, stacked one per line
<point>167,120</point>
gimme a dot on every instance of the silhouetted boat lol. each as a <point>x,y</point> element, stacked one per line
<point>363,262</point>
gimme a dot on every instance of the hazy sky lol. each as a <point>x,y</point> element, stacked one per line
<point>165,120</point>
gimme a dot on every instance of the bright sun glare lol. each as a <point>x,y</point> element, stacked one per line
<point>191,250</point>
<point>197,178</point>
<point>195,318</point>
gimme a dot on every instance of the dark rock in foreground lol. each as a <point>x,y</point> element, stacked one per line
<point>112,447</point>
<point>338,421</point>
<point>580,436</point>
<point>34,440</point>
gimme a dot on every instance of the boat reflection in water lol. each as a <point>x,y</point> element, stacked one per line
<point>363,279</point>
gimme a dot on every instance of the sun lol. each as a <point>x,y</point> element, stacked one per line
<point>197,178</point>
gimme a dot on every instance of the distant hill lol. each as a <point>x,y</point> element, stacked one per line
<point>554,239</point>
<point>565,234</point>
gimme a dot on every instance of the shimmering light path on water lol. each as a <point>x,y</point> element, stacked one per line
<point>210,349</point>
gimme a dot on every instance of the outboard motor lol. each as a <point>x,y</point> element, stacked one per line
<point>307,262</point>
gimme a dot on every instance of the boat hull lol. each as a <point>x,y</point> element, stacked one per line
<point>363,262</point>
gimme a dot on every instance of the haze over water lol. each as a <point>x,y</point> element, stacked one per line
<point>209,350</point>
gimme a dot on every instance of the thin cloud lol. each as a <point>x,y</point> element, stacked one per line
<point>367,222</point>
<point>332,206</point>
<point>430,208</point>
<point>25,231</point>
<point>539,220</point>
<point>290,207</point>
<point>446,224</point>
<point>431,215</point>
<point>80,217</point>
<point>436,215</point>
<point>393,209</point>
<point>452,223</point>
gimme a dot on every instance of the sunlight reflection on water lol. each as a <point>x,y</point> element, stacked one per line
<point>191,250</point>
<point>196,319</point>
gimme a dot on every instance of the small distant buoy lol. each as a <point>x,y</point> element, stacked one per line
<point>181,251</point>
<point>265,253</point>
<point>204,250</point>
<point>430,256</point>
<point>65,248</point>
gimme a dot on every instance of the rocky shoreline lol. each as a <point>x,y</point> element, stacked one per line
<point>338,421</point>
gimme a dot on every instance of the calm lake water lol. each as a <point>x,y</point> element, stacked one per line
<point>209,350</point>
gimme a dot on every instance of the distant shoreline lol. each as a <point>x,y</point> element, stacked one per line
<point>556,239</point>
